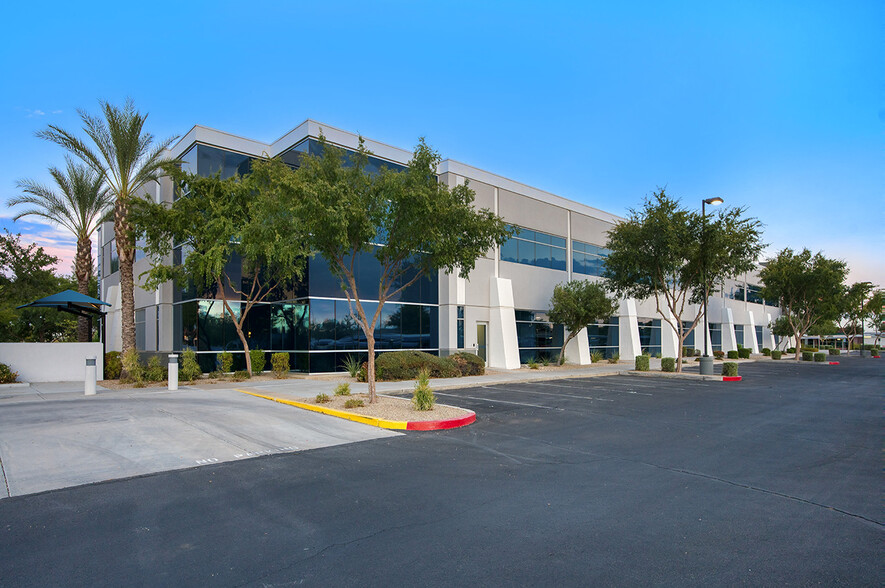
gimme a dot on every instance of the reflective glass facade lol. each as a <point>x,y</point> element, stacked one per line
<point>716,336</point>
<point>537,337</point>
<point>535,248</point>
<point>650,335</point>
<point>603,337</point>
<point>689,339</point>
<point>588,259</point>
<point>739,335</point>
<point>759,338</point>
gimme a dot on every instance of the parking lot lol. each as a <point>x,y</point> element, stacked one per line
<point>775,480</point>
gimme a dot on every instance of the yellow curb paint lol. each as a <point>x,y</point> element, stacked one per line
<point>366,420</point>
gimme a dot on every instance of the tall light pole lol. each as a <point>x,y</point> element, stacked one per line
<point>706,360</point>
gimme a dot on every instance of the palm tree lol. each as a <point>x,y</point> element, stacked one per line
<point>82,204</point>
<point>127,159</point>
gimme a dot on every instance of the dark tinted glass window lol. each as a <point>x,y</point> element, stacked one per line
<point>535,248</point>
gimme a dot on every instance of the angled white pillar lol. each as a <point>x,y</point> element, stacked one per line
<point>578,349</point>
<point>750,334</point>
<point>628,330</point>
<point>503,347</point>
<point>729,341</point>
<point>669,337</point>
<point>767,335</point>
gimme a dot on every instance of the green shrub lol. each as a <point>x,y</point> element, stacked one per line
<point>687,352</point>
<point>615,358</point>
<point>132,367</point>
<point>668,364</point>
<point>718,354</point>
<point>227,361</point>
<point>776,354</point>
<point>257,356</point>
<point>423,397</point>
<point>321,398</point>
<point>351,365</point>
<point>156,371</point>
<point>729,368</point>
<point>545,360</point>
<point>820,357</point>
<point>342,389</point>
<point>468,364</point>
<point>733,354</point>
<point>532,363</point>
<point>807,356</point>
<point>241,375</point>
<point>405,365</point>
<point>353,403</point>
<point>642,363</point>
<point>596,357</point>
<point>190,369</point>
<point>657,355</point>
<point>808,348</point>
<point>279,362</point>
<point>766,352</point>
<point>7,376</point>
<point>791,350</point>
<point>834,351</point>
<point>744,352</point>
<point>113,365</point>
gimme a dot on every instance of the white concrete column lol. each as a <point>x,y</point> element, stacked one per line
<point>503,346</point>
<point>628,330</point>
<point>767,335</point>
<point>729,341</point>
<point>669,337</point>
<point>750,334</point>
<point>578,349</point>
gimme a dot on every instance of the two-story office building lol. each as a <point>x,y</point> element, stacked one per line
<point>498,313</point>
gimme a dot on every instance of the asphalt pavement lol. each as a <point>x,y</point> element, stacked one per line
<point>774,480</point>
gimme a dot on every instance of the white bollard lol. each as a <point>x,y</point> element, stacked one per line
<point>173,372</point>
<point>90,376</point>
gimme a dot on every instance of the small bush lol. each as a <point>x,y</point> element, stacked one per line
<point>342,389</point>
<point>766,352</point>
<point>733,354</point>
<point>596,357</point>
<point>156,371</point>
<point>423,396</point>
<point>657,355</point>
<point>405,365</point>
<point>729,368</point>
<point>545,360</point>
<point>776,354</point>
<point>835,351</point>
<point>668,364</point>
<point>7,376</point>
<point>241,375</point>
<point>615,358</point>
<point>791,350</point>
<point>190,369</point>
<point>687,352</point>
<point>468,364</point>
<point>227,361</point>
<point>132,367</point>
<point>532,363</point>
<point>820,357</point>
<point>257,356</point>
<point>113,365</point>
<point>744,352</point>
<point>351,365</point>
<point>718,354</point>
<point>807,356</point>
<point>321,398</point>
<point>811,349</point>
<point>353,403</point>
<point>279,362</point>
<point>642,363</point>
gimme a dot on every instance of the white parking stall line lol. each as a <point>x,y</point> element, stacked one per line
<point>550,393</point>
<point>499,401</point>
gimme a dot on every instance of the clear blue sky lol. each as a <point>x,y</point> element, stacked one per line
<point>777,106</point>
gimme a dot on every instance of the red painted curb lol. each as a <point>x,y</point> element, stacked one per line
<point>834,363</point>
<point>731,378</point>
<point>439,425</point>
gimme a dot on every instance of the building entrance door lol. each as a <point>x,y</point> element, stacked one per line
<point>481,345</point>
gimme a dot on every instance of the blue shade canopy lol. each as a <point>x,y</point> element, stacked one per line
<point>70,301</point>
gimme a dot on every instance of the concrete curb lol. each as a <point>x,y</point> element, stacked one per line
<point>373,421</point>
<point>684,376</point>
<point>15,385</point>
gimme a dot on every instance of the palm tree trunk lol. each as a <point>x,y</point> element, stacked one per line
<point>126,253</point>
<point>83,271</point>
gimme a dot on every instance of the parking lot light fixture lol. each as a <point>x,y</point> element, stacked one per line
<point>706,360</point>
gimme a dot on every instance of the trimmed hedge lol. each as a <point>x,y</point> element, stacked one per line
<point>807,356</point>
<point>406,365</point>
<point>744,352</point>
<point>280,364</point>
<point>766,352</point>
<point>468,364</point>
<point>258,360</point>
<point>776,354</point>
<point>668,364</point>
<point>642,363</point>
<point>835,351</point>
<point>729,368</point>
<point>733,354</point>
<point>718,354</point>
<point>791,350</point>
<point>820,357</point>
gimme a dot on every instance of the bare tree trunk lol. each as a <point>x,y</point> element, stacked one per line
<point>126,253</point>
<point>562,351</point>
<point>83,271</point>
<point>237,324</point>
<point>370,368</point>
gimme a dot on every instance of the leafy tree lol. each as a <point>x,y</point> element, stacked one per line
<point>219,223</point>
<point>855,310</point>
<point>577,304</point>
<point>676,255</point>
<point>781,327</point>
<point>412,224</point>
<point>127,159</point>
<point>808,288</point>
<point>876,305</point>
<point>27,274</point>
<point>80,206</point>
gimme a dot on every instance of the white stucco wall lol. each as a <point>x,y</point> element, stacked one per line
<point>51,362</point>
